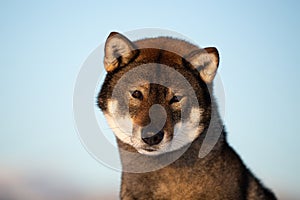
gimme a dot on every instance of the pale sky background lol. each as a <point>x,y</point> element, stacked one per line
<point>43,45</point>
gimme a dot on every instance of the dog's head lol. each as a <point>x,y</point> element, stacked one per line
<point>156,94</point>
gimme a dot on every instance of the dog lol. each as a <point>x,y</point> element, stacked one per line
<point>157,97</point>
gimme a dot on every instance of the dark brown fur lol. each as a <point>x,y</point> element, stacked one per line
<point>219,175</point>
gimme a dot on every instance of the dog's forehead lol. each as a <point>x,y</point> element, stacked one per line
<point>149,75</point>
<point>156,55</point>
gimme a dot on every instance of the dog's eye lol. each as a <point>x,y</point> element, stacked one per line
<point>175,99</point>
<point>137,95</point>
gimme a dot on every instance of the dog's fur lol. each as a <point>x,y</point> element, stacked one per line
<point>219,175</point>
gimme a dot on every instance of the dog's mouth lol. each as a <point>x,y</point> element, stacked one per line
<point>145,149</point>
<point>150,149</point>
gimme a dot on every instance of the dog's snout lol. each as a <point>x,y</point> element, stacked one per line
<point>153,139</point>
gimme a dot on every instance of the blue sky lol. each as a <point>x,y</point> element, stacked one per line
<point>43,46</point>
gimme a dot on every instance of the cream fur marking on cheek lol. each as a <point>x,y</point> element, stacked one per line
<point>121,126</point>
<point>186,132</point>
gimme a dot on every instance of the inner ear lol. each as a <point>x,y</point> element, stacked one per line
<point>206,61</point>
<point>118,51</point>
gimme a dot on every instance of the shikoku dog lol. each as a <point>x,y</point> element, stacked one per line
<point>157,99</point>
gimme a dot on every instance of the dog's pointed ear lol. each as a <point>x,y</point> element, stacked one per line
<point>118,51</point>
<point>206,61</point>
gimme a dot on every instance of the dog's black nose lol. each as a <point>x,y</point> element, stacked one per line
<point>153,139</point>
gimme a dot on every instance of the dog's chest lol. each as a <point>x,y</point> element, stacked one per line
<point>179,184</point>
<point>176,189</point>
<point>170,184</point>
